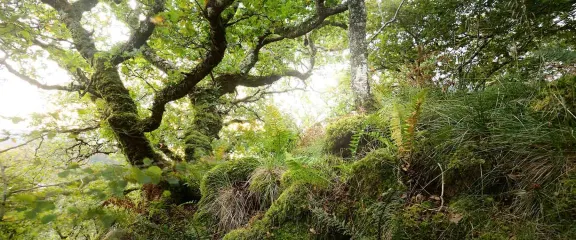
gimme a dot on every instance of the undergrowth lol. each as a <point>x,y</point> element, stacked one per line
<point>492,164</point>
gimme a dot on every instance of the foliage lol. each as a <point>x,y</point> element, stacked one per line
<point>171,133</point>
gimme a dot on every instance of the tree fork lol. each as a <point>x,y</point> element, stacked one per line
<point>124,116</point>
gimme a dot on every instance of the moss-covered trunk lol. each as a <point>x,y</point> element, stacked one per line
<point>207,123</point>
<point>123,117</point>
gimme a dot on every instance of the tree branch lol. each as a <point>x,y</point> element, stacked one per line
<point>168,152</point>
<point>71,15</point>
<point>75,130</point>
<point>35,82</point>
<point>20,145</point>
<point>140,36</point>
<point>215,54</point>
<point>152,57</point>
<point>386,24</point>
<point>335,24</point>
<point>291,32</point>
<point>44,132</point>
<point>259,95</point>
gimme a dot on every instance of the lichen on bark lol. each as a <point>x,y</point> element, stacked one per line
<point>358,54</point>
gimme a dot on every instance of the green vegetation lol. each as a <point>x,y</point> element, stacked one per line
<point>455,119</point>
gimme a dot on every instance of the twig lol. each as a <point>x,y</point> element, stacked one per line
<point>4,191</point>
<point>20,145</point>
<point>37,187</point>
<point>386,24</point>
<point>442,191</point>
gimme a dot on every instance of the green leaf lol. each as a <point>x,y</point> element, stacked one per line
<point>73,166</point>
<point>48,218</point>
<point>82,111</point>
<point>147,161</point>
<point>25,35</point>
<point>64,174</point>
<point>180,167</point>
<point>55,115</point>
<point>155,170</point>
<point>44,205</point>
<point>106,220</point>
<point>172,180</point>
<point>16,120</point>
<point>98,194</point>
<point>139,176</point>
<point>155,174</point>
<point>117,187</point>
<point>166,194</point>
<point>27,198</point>
<point>73,210</point>
<point>51,135</point>
<point>31,214</point>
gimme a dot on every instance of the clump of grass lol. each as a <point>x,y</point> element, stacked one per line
<point>264,181</point>
<point>234,206</point>
<point>226,201</point>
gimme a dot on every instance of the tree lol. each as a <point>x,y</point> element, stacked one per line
<point>465,44</point>
<point>164,131</point>
<point>205,53</point>
<point>358,53</point>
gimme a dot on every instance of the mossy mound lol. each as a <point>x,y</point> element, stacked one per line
<point>284,218</point>
<point>226,202</point>
<point>339,135</point>
<point>373,174</point>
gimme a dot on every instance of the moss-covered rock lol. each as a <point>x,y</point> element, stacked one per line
<point>339,135</point>
<point>373,175</point>
<point>283,218</point>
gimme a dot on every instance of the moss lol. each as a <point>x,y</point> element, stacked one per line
<point>290,231</point>
<point>339,135</point>
<point>373,175</point>
<point>289,209</point>
<point>558,99</point>
<point>197,145</point>
<point>290,205</point>
<point>469,217</point>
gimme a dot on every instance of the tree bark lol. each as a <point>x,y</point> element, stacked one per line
<point>207,123</point>
<point>123,117</point>
<point>358,54</point>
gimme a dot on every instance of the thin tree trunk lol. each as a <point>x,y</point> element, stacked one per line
<point>358,54</point>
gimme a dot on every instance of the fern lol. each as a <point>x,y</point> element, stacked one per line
<point>330,221</point>
<point>403,123</point>
<point>355,141</point>
<point>397,126</point>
